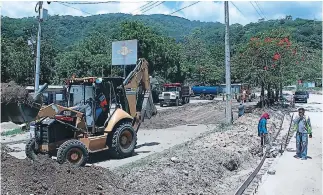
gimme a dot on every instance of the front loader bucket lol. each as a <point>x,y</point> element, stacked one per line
<point>19,112</point>
<point>22,112</point>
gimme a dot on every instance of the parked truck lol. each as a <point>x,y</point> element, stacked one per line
<point>174,94</point>
<point>206,92</point>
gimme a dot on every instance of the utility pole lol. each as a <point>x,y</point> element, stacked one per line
<point>227,65</point>
<point>37,74</point>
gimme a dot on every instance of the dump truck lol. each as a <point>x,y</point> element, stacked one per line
<point>174,94</point>
<point>91,123</point>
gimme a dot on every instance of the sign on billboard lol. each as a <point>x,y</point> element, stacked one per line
<point>124,52</point>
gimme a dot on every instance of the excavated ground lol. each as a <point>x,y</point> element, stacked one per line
<point>200,113</point>
<point>46,176</point>
<point>214,163</point>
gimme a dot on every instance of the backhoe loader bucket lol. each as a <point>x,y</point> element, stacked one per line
<point>23,112</point>
<point>149,108</point>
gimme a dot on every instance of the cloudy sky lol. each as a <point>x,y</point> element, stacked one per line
<point>240,12</point>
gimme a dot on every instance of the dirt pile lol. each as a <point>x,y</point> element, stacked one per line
<point>46,176</point>
<point>214,163</point>
<point>12,92</point>
<point>201,113</point>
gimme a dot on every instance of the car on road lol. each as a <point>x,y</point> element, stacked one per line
<point>287,97</point>
<point>301,96</point>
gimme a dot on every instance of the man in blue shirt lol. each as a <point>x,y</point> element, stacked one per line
<point>262,130</point>
<point>241,110</point>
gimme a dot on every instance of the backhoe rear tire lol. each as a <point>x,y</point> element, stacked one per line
<point>124,141</point>
<point>30,151</point>
<point>74,152</point>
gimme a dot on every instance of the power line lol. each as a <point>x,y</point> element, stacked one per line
<point>142,7</point>
<point>184,7</point>
<point>257,4</point>
<point>255,9</point>
<point>74,8</point>
<point>149,7</point>
<point>237,8</point>
<point>154,7</point>
<point>102,2</point>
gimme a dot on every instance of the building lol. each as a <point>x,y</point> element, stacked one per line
<point>235,88</point>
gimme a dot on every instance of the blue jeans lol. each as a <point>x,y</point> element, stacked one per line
<point>301,144</point>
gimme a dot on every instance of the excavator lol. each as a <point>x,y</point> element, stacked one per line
<point>103,113</point>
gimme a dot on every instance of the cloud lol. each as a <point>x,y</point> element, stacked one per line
<point>208,11</point>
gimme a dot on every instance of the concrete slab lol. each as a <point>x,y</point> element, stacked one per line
<point>295,176</point>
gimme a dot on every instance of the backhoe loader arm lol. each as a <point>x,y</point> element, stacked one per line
<point>138,92</point>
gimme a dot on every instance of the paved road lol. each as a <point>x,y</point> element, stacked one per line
<point>295,176</point>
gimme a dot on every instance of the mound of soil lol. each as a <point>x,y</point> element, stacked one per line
<point>12,92</point>
<point>201,113</point>
<point>46,176</point>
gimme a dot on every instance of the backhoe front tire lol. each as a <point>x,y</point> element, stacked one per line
<point>30,151</point>
<point>74,152</point>
<point>124,141</point>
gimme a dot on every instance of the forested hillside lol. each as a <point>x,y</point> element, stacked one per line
<point>177,49</point>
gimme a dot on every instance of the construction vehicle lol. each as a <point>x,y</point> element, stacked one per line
<point>245,93</point>
<point>174,94</point>
<point>90,123</point>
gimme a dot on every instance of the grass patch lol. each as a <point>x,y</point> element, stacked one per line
<point>12,132</point>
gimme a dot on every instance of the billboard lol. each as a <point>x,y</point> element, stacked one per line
<point>124,52</point>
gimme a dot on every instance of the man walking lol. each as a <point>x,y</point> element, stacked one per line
<point>302,126</point>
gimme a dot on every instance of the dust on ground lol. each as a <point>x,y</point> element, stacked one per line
<point>200,113</point>
<point>214,163</point>
<point>46,176</point>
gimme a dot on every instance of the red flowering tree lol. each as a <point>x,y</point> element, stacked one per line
<point>267,60</point>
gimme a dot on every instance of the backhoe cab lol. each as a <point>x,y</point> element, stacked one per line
<point>102,114</point>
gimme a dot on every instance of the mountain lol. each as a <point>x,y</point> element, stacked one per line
<point>177,49</point>
<point>68,30</point>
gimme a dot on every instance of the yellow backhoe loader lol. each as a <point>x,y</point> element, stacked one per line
<point>91,123</point>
